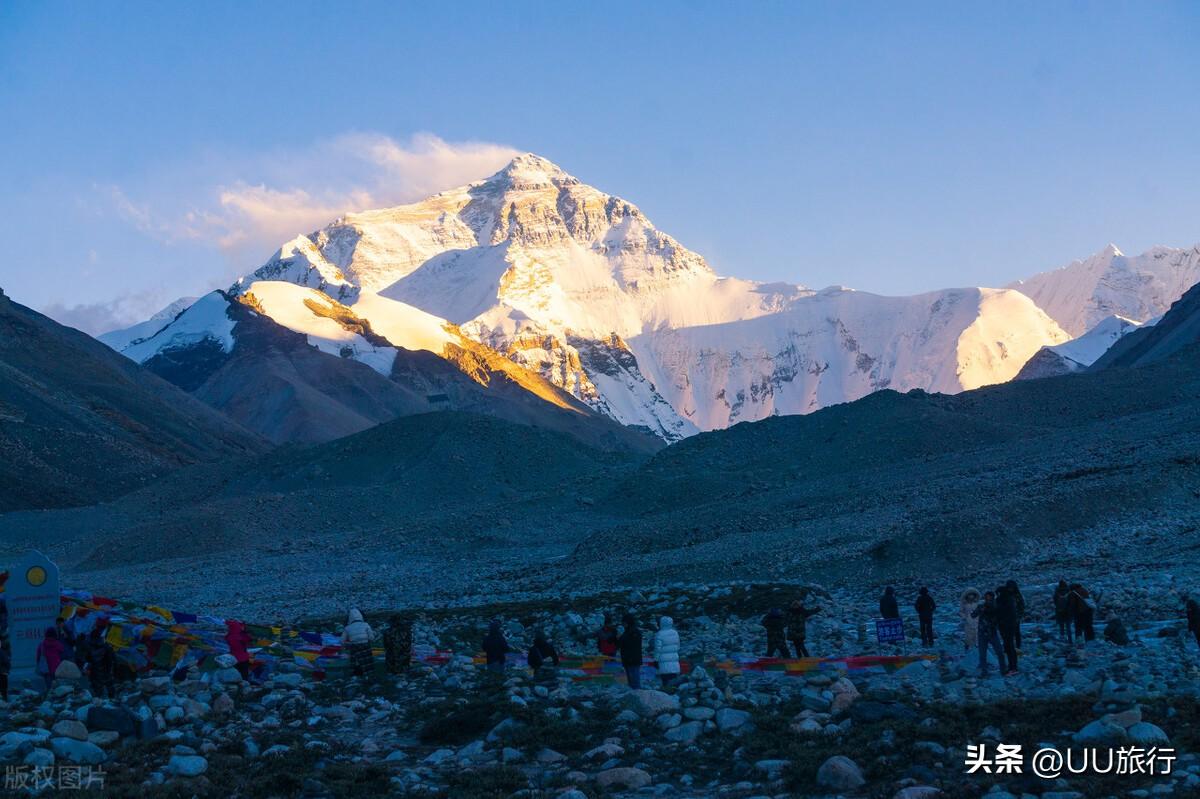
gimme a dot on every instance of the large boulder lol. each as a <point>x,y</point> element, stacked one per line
<point>77,751</point>
<point>120,720</point>
<point>67,670</point>
<point>649,703</point>
<point>840,773</point>
<point>1147,734</point>
<point>70,728</point>
<point>730,718</point>
<point>622,778</point>
<point>685,733</point>
<point>1100,732</point>
<point>187,765</point>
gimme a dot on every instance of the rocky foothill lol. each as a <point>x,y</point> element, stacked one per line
<point>454,730</point>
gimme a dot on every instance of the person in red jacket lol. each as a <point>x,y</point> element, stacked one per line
<point>606,638</point>
<point>238,639</point>
<point>49,656</point>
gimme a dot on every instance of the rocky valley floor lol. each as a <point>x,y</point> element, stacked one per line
<point>453,730</point>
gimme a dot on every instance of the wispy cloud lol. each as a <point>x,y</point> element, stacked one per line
<point>100,317</point>
<point>248,205</point>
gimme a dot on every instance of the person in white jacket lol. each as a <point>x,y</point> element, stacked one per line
<point>356,637</point>
<point>968,603</point>
<point>666,650</point>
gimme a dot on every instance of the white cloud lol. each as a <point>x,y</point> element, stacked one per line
<point>248,205</point>
<point>95,318</point>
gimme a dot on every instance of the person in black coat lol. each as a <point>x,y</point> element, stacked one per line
<point>495,646</point>
<point>1192,608</point>
<point>776,627</point>
<point>925,607</point>
<point>540,652</point>
<point>1008,621</point>
<point>630,644</point>
<point>888,607</point>
<point>1011,585</point>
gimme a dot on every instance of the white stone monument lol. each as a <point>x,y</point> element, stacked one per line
<point>34,602</point>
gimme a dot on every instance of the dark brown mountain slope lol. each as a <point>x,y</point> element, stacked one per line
<point>81,424</point>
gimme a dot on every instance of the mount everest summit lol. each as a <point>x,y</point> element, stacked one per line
<point>578,301</point>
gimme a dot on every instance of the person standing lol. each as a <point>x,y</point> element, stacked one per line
<point>985,616</point>
<point>1062,611</point>
<point>49,656</point>
<point>5,666</point>
<point>356,637</point>
<point>398,643</point>
<point>925,607</point>
<point>606,637</point>
<point>776,627</point>
<point>889,608</point>
<point>539,652</point>
<point>666,650</point>
<point>101,664</point>
<point>1083,612</point>
<point>1015,592</point>
<point>1192,608</point>
<point>495,647</point>
<point>238,640</point>
<point>1008,623</point>
<point>797,626</point>
<point>630,645</point>
<point>966,606</point>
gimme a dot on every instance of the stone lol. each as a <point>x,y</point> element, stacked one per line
<point>840,773</point>
<point>39,758</point>
<point>292,680</point>
<point>103,737</point>
<point>223,705</point>
<point>1116,633</point>
<point>70,728</point>
<point>686,732</point>
<point>1146,733</point>
<point>1126,718</point>
<point>624,777</point>
<point>771,768</point>
<point>668,721</point>
<point>648,702</point>
<point>549,756</point>
<point>117,719</point>
<point>918,792</point>
<point>604,751</point>
<point>868,711</point>
<point>1100,732</point>
<point>699,713</point>
<point>68,671</point>
<point>226,661</point>
<point>438,756</point>
<point>186,765</point>
<point>729,718</point>
<point>75,751</point>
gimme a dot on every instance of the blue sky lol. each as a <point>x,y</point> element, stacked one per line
<point>153,150</point>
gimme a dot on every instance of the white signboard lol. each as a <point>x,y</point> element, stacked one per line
<point>34,603</point>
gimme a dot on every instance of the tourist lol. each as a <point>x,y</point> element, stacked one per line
<point>539,652</point>
<point>398,643</point>
<point>606,637</point>
<point>1083,612</point>
<point>49,656</point>
<point>776,628</point>
<point>1193,617</point>
<point>985,614</point>
<point>66,639</point>
<point>356,636</point>
<point>1062,611</point>
<point>630,645</point>
<point>495,647</point>
<point>966,606</point>
<point>1011,585</point>
<point>238,641</point>
<point>797,626</point>
<point>889,608</point>
<point>925,607</point>
<point>666,651</point>
<point>101,662</point>
<point>1008,623</point>
<point>5,666</point>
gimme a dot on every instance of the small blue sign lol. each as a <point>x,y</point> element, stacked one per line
<point>889,631</point>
